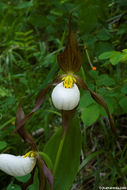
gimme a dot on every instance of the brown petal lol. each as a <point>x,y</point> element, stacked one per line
<point>46,171</point>
<point>70,59</point>
<point>22,131</point>
<point>40,99</point>
<point>100,101</point>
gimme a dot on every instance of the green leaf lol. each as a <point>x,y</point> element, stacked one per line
<point>52,145</point>
<point>122,3</point>
<point>13,187</point>
<point>36,180</point>
<point>102,47</point>
<point>23,179</point>
<point>31,187</point>
<point>86,100</point>
<point>112,103</point>
<point>90,114</point>
<point>3,145</point>
<point>105,80</point>
<point>33,19</point>
<point>90,41</point>
<point>3,6</point>
<point>4,92</point>
<point>89,158</point>
<point>124,170</point>
<point>24,5</point>
<point>124,58</point>
<point>105,55</point>
<point>124,50</point>
<point>123,103</point>
<point>93,74</point>
<point>88,11</point>
<point>103,34</point>
<point>69,158</point>
<point>49,59</point>
<point>116,57</point>
<point>124,89</point>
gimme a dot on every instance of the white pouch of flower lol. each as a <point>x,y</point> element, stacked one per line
<point>65,98</point>
<point>16,165</point>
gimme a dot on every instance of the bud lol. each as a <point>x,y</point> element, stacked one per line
<point>65,98</point>
<point>16,165</point>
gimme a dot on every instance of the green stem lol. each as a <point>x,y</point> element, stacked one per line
<point>58,154</point>
<point>83,74</point>
<point>88,57</point>
<point>8,122</point>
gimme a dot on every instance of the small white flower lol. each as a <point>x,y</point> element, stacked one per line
<point>16,165</point>
<point>65,98</point>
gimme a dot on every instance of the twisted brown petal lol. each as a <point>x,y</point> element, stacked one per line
<point>100,101</point>
<point>22,131</point>
<point>46,171</point>
<point>40,99</point>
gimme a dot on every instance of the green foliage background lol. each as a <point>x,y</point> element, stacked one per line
<point>31,35</point>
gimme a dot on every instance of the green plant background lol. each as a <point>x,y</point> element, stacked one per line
<point>31,35</point>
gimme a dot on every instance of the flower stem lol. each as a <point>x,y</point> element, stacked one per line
<point>88,57</point>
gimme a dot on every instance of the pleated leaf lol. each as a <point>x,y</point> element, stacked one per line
<point>69,158</point>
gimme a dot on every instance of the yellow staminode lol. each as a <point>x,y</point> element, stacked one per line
<point>30,154</point>
<point>69,80</point>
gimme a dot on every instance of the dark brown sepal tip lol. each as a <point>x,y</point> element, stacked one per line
<point>70,59</point>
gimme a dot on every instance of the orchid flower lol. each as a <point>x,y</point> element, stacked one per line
<point>66,94</point>
<point>32,158</point>
<point>18,165</point>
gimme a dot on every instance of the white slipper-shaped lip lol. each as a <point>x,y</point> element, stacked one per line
<point>65,98</point>
<point>16,165</point>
